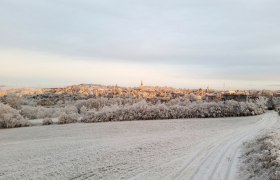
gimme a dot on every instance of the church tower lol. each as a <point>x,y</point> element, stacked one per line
<point>141,85</point>
<point>208,89</point>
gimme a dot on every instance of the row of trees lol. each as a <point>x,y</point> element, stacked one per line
<point>39,112</point>
<point>98,103</point>
<point>146,111</point>
<point>125,109</point>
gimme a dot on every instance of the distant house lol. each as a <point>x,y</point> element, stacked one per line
<point>211,97</point>
<point>236,97</point>
<point>277,94</point>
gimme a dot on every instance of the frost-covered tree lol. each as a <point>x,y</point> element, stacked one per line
<point>68,118</point>
<point>70,109</point>
<point>99,103</point>
<point>192,97</point>
<point>69,115</point>
<point>29,112</point>
<point>13,100</point>
<point>10,118</point>
<point>83,110</point>
<point>145,111</point>
<point>276,102</point>
<point>40,112</point>
<point>262,101</point>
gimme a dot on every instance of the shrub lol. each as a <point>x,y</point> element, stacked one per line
<point>99,103</point>
<point>68,118</point>
<point>70,109</point>
<point>47,121</point>
<point>39,112</point>
<point>10,118</point>
<point>145,111</point>
<point>261,158</point>
<point>69,115</point>
<point>14,101</point>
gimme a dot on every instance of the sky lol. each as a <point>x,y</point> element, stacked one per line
<point>224,44</point>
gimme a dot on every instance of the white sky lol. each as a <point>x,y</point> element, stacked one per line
<point>179,43</point>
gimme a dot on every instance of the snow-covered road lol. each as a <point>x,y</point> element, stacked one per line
<point>166,149</point>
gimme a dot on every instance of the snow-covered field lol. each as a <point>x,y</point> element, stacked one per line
<point>163,149</point>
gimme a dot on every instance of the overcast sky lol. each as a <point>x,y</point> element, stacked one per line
<point>180,43</point>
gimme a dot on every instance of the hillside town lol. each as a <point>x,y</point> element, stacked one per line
<point>50,96</point>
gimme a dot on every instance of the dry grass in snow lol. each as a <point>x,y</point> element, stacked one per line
<point>261,157</point>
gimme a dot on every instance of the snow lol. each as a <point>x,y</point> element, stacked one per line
<point>165,149</point>
<point>261,157</point>
<point>39,122</point>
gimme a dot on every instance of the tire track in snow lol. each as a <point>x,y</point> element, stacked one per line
<point>215,159</point>
<point>195,148</point>
<point>218,163</point>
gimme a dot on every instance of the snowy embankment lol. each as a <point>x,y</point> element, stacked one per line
<point>168,149</point>
<point>261,157</point>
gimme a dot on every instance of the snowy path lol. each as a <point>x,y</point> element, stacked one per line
<point>218,159</point>
<point>168,149</point>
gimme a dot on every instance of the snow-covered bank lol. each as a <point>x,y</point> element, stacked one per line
<point>169,149</point>
<point>261,157</point>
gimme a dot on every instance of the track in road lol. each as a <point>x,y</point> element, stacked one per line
<point>218,159</point>
<point>166,149</point>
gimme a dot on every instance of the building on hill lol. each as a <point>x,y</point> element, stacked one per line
<point>141,85</point>
<point>277,94</point>
<point>240,97</point>
<point>236,97</point>
<point>208,90</point>
<point>211,97</point>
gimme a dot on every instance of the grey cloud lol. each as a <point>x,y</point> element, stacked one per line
<point>220,35</point>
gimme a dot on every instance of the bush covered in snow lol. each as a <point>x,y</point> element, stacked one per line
<point>39,112</point>
<point>146,111</point>
<point>47,121</point>
<point>68,118</point>
<point>99,103</point>
<point>13,100</point>
<point>262,101</point>
<point>70,115</point>
<point>276,103</point>
<point>10,118</point>
<point>261,158</point>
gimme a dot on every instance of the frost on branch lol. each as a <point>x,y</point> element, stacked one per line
<point>10,118</point>
<point>70,115</point>
<point>13,100</point>
<point>261,158</point>
<point>39,112</point>
<point>173,110</point>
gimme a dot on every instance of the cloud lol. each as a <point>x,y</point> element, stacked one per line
<point>220,39</point>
